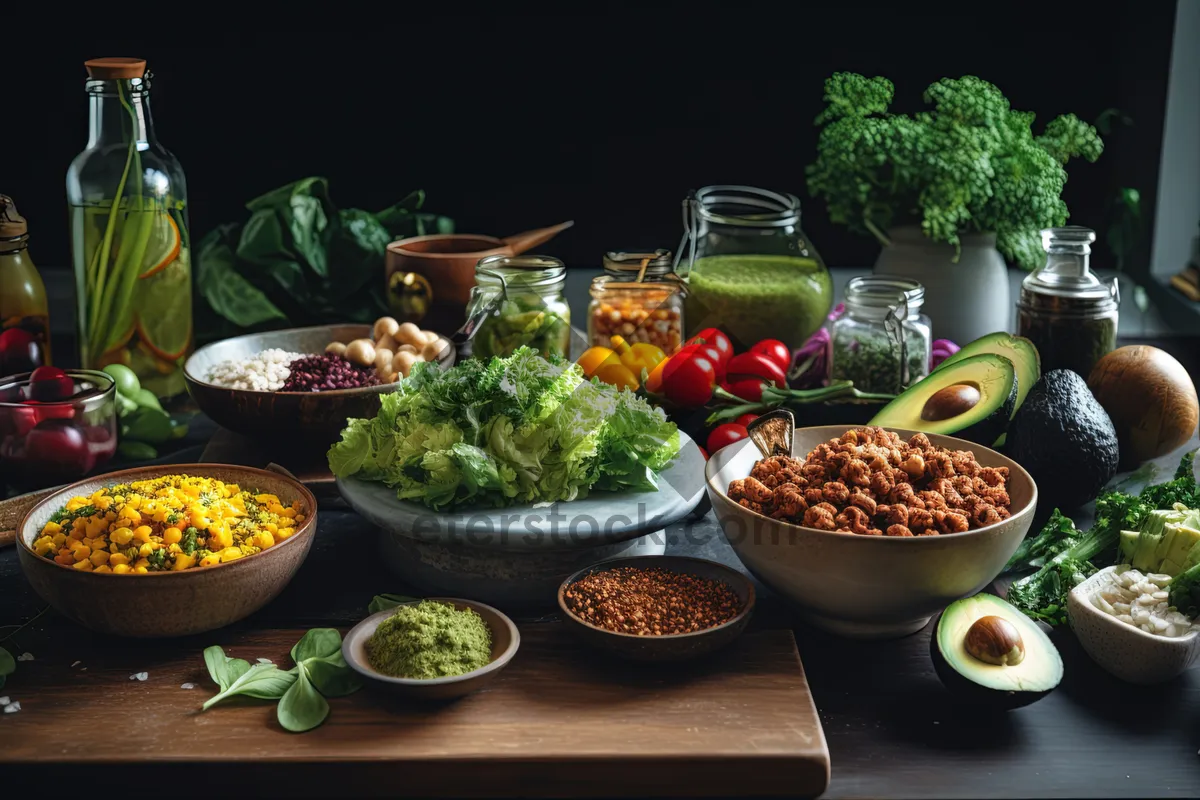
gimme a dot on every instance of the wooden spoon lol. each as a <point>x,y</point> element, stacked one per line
<point>527,240</point>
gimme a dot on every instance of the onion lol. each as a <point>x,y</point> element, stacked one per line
<point>942,349</point>
<point>1150,398</point>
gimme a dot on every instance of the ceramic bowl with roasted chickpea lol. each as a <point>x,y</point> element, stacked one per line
<point>868,531</point>
<point>299,386</point>
<point>167,550</point>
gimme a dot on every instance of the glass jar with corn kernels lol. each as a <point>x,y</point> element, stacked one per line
<point>638,298</point>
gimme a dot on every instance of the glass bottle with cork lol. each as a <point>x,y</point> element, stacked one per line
<point>1065,310</point>
<point>24,312</point>
<point>129,235</point>
<point>639,298</point>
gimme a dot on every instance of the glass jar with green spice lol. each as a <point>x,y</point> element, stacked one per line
<point>1065,310</point>
<point>129,236</point>
<point>520,300</point>
<point>883,343</point>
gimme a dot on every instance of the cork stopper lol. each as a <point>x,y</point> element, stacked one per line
<point>12,224</point>
<point>109,69</point>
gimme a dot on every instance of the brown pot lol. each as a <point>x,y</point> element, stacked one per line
<point>429,278</point>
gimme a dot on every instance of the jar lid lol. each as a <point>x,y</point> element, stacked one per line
<point>1066,272</point>
<point>12,224</point>
<point>629,263</point>
<point>884,292</point>
<point>527,271</point>
<point>108,69</point>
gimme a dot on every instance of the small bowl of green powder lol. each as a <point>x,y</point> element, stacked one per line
<point>435,649</point>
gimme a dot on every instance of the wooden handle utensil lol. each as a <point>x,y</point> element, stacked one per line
<point>13,510</point>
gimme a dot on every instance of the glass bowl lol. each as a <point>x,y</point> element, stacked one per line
<point>49,435</point>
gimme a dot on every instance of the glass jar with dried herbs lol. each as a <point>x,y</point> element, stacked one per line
<point>883,342</point>
<point>1065,310</point>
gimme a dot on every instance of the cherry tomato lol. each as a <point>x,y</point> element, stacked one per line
<point>50,384</point>
<point>755,365</point>
<point>746,419</point>
<point>703,452</point>
<point>749,389</point>
<point>689,377</point>
<point>725,434</point>
<point>714,337</point>
<point>714,355</point>
<point>775,350</point>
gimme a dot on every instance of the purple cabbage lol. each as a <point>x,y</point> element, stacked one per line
<point>810,364</point>
<point>942,349</point>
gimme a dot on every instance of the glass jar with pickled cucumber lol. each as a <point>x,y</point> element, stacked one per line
<point>520,302</point>
<point>129,236</point>
<point>750,270</point>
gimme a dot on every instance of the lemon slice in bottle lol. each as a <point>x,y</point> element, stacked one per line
<point>163,247</point>
<point>164,309</point>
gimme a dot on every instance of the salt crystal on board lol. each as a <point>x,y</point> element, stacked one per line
<point>4,702</point>
<point>139,676</point>
<point>12,708</point>
<point>25,657</point>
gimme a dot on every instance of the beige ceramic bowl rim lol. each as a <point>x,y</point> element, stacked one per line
<point>173,469</point>
<point>398,246</point>
<point>605,566</point>
<point>1083,594</point>
<point>381,388</point>
<point>499,662</point>
<point>1029,508</point>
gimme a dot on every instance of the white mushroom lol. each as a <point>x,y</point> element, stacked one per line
<point>383,361</point>
<point>409,333</point>
<point>433,350</point>
<point>336,348</point>
<point>403,362</point>
<point>385,326</point>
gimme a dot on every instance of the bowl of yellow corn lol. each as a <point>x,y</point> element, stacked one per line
<point>167,550</point>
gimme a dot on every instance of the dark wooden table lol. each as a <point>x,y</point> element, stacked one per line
<point>893,730</point>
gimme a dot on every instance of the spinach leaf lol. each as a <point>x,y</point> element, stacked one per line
<point>332,675</point>
<point>223,669</point>
<point>302,707</point>
<point>381,602</point>
<point>317,643</point>
<point>8,665</point>
<point>263,681</point>
<point>226,291</point>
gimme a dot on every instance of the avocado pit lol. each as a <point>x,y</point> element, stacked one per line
<point>958,398</point>
<point>995,640</point>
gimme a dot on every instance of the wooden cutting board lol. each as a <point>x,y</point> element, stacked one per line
<point>559,721</point>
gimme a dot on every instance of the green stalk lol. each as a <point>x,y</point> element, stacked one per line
<point>133,254</point>
<point>106,245</point>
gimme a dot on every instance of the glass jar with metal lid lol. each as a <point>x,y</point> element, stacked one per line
<point>750,270</point>
<point>883,343</point>
<point>520,302</point>
<point>1065,310</point>
<point>639,298</point>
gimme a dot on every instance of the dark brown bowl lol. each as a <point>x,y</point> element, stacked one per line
<point>505,641</point>
<point>312,420</point>
<point>161,604</point>
<point>675,647</point>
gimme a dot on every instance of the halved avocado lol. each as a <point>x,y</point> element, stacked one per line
<point>991,654</point>
<point>972,399</point>
<point>1017,349</point>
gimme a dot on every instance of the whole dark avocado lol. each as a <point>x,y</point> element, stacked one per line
<point>1065,439</point>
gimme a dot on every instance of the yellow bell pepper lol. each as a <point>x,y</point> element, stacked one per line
<point>639,356</point>
<point>618,375</point>
<point>595,357</point>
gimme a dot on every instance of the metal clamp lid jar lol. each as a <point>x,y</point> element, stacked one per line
<point>883,343</point>
<point>1068,313</point>
<point>517,301</point>
<point>640,299</point>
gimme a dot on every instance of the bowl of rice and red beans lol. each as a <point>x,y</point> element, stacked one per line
<point>869,532</point>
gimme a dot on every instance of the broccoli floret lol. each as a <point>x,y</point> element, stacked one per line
<point>1185,591</point>
<point>188,543</point>
<point>158,559</point>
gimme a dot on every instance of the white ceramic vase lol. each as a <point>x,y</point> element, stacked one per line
<point>964,300</point>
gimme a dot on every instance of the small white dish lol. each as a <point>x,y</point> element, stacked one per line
<point>1127,652</point>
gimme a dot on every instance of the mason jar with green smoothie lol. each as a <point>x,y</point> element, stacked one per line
<point>750,270</point>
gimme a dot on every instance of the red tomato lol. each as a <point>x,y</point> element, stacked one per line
<point>714,337</point>
<point>755,365</point>
<point>746,419</point>
<point>746,388</point>
<point>714,355</point>
<point>775,350</point>
<point>703,452</point>
<point>725,434</point>
<point>689,377</point>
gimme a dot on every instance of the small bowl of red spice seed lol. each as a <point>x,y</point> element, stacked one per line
<point>657,608</point>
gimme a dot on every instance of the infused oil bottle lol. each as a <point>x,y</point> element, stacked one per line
<point>24,312</point>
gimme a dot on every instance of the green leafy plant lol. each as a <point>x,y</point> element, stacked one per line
<point>299,260</point>
<point>320,671</point>
<point>970,164</point>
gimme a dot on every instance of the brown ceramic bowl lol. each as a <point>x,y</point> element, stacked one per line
<point>311,420</point>
<point>161,604</point>
<point>867,586</point>
<point>505,641</point>
<point>676,647</point>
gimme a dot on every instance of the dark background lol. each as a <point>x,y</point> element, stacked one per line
<point>513,120</point>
